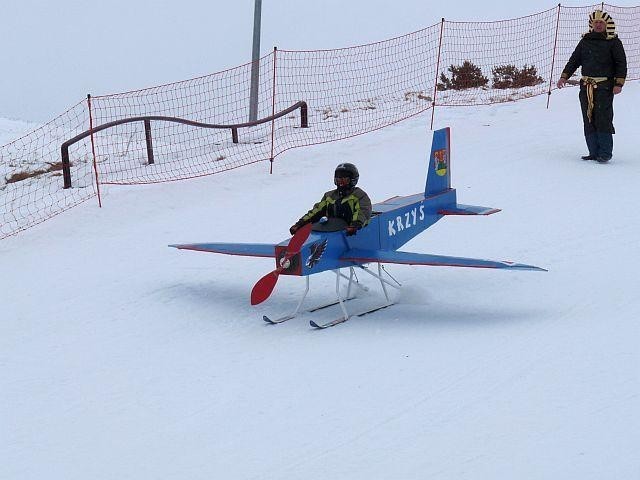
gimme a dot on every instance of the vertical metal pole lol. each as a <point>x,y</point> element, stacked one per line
<point>273,108</point>
<point>147,136</point>
<point>553,58</point>
<point>93,150</point>
<point>255,62</point>
<point>435,86</point>
<point>66,166</point>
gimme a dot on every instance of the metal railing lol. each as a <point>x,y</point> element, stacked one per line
<point>66,164</point>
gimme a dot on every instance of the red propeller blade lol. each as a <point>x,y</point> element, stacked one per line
<point>296,242</point>
<point>263,287</point>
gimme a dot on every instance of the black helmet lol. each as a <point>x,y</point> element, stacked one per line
<point>348,170</point>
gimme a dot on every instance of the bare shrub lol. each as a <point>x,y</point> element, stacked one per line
<point>19,176</point>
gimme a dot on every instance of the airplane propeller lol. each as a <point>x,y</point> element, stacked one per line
<point>263,287</point>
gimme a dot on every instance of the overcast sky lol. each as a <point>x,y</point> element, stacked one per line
<point>55,52</point>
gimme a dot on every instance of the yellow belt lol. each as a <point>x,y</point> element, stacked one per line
<point>590,83</point>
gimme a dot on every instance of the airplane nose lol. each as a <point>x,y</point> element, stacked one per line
<point>287,264</point>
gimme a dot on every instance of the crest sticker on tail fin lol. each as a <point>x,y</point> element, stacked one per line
<point>441,161</point>
<point>439,170</point>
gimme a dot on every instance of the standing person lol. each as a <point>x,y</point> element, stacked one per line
<point>347,202</point>
<point>604,69</point>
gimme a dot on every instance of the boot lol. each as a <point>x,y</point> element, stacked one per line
<point>592,144</point>
<point>605,147</point>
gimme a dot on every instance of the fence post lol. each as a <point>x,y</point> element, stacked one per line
<point>93,150</point>
<point>435,85</point>
<point>147,136</point>
<point>553,57</point>
<point>273,108</point>
<point>66,167</point>
<point>304,116</point>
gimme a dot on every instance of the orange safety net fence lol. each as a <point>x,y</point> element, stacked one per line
<point>349,91</point>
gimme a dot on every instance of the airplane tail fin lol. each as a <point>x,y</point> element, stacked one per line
<point>439,174</point>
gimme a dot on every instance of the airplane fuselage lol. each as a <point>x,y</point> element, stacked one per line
<point>394,222</point>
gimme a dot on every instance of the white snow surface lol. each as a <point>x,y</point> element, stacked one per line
<point>121,358</point>
<point>11,129</point>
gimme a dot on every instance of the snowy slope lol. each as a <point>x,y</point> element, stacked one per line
<point>13,129</point>
<point>122,358</point>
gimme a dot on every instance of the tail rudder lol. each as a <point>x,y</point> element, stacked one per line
<point>439,174</point>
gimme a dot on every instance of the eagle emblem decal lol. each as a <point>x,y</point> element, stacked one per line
<point>317,249</point>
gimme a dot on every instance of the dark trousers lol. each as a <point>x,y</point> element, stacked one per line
<point>598,132</point>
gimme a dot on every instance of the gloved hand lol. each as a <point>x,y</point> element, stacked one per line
<point>295,227</point>
<point>351,230</point>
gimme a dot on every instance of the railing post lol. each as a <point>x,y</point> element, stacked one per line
<point>435,85</point>
<point>304,118</point>
<point>66,167</point>
<point>147,136</point>
<point>234,135</point>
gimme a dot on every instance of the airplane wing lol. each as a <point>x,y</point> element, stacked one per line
<point>461,209</point>
<point>244,249</point>
<point>408,258</point>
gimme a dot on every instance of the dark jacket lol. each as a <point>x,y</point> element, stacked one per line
<point>599,57</point>
<point>353,206</point>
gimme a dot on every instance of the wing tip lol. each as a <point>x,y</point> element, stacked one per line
<point>469,211</point>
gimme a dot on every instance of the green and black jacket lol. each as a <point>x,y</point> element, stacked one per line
<point>354,206</point>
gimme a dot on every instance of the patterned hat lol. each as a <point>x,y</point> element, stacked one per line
<point>605,17</point>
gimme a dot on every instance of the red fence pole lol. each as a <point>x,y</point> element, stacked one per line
<point>273,108</point>
<point>93,150</point>
<point>553,57</point>
<point>435,85</point>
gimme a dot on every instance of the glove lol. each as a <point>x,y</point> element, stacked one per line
<point>351,230</point>
<point>295,227</point>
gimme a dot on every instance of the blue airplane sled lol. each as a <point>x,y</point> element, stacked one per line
<point>324,246</point>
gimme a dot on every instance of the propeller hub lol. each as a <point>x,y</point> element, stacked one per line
<point>285,262</point>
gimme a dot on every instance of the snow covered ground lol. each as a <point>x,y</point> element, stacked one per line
<point>13,129</point>
<point>122,358</point>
